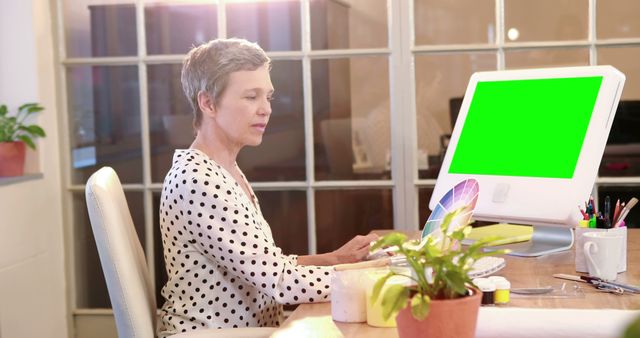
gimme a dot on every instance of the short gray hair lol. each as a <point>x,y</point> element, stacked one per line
<point>208,67</point>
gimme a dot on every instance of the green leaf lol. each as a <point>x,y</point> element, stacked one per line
<point>444,226</point>
<point>394,238</point>
<point>633,330</point>
<point>456,279</point>
<point>12,128</point>
<point>394,300</point>
<point>461,233</point>
<point>26,139</point>
<point>27,106</point>
<point>35,130</point>
<point>35,109</point>
<point>377,287</point>
<point>420,306</point>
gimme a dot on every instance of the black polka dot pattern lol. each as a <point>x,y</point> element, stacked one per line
<point>224,268</point>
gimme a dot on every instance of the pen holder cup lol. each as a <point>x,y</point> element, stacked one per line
<point>581,263</point>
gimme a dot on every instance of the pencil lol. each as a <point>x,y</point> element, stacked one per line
<point>616,212</point>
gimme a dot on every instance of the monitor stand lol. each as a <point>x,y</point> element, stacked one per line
<point>545,240</point>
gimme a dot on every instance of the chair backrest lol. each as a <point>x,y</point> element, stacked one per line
<point>121,255</point>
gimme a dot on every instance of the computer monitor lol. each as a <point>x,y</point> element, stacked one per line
<point>533,139</point>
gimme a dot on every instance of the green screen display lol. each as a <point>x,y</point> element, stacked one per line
<point>532,128</point>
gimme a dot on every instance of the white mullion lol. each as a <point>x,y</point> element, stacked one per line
<point>222,19</point>
<point>500,32</point>
<point>431,182</point>
<point>622,42</point>
<point>411,18</point>
<point>483,47</point>
<point>125,187</point>
<point>394,42</point>
<point>342,53</point>
<point>593,55</point>
<point>308,126</point>
<point>285,55</point>
<point>411,173</point>
<point>102,61</point>
<point>147,198</point>
<point>276,186</point>
<point>67,204</point>
<point>547,44</point>
<point>178,58</point>
<point>163,59</point>
<point>91,312</point>
<point>403,128</point>
<point>352,184</point>
<point>618,180</point>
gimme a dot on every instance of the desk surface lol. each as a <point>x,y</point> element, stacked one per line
<point>522,272</point>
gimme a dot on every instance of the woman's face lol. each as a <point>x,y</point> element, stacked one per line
<point>243,111</point>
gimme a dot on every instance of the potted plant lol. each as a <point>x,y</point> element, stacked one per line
<point>14,135</point>
<point>441,302</point>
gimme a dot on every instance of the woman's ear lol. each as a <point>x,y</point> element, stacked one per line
<point>206,104</point>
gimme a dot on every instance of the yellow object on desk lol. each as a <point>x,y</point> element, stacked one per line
<point>510,233</point>
<point>374,310</point>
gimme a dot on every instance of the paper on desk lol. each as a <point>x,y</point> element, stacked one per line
<point>557,323</point>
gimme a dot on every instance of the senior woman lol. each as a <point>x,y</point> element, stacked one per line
<point>223,266</point>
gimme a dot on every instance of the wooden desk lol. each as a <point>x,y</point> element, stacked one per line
<point>522,272</point>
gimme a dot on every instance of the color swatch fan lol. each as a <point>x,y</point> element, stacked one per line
<point>464,194</point>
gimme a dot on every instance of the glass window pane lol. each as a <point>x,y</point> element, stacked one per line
<point>343,214</point>
<point>626,60</point>
<point>275,26</point>
<point>175,29</point>
<point>546,20</point>
<point>622,153</point>
<point>441,81</point>
<point>104,121</point>
<point>624,193</point>
<point>286,213</point>
<point>617,19</point>
<point>170,117</point>
<point>281,155</point>
<point>454,22</point>
<point>535,58</point>
<point>424,196</point>
<point>351,118</point>
<point>91,288</point>
<point>348,24</point>
<point>96,28</point>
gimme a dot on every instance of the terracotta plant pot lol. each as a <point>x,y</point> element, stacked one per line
<point>12,156</point>
<point>447,318</point>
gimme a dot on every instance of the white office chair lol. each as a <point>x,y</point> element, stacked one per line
<point>124,266</point>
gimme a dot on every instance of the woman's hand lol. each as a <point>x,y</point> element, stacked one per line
<point>354,250</point>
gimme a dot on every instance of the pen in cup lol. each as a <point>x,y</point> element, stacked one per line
<point>607,211</point>
<point>625,211</point>
<point>616,211</point>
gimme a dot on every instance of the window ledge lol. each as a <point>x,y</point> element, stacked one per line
<point>18,179</point>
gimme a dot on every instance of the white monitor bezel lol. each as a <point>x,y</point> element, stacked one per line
<point>550,201</point>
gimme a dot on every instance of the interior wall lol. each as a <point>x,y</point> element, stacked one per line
<point>33,301</point>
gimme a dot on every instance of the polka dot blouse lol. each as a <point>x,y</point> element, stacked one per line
<point>223,266</point>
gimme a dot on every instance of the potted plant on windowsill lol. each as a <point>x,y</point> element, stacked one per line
<point>441,302</point>
<point>14,135</point>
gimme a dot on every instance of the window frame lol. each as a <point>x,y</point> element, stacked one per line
<point>401,53</point>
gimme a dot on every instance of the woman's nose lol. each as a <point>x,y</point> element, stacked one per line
<point>266,107</point>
